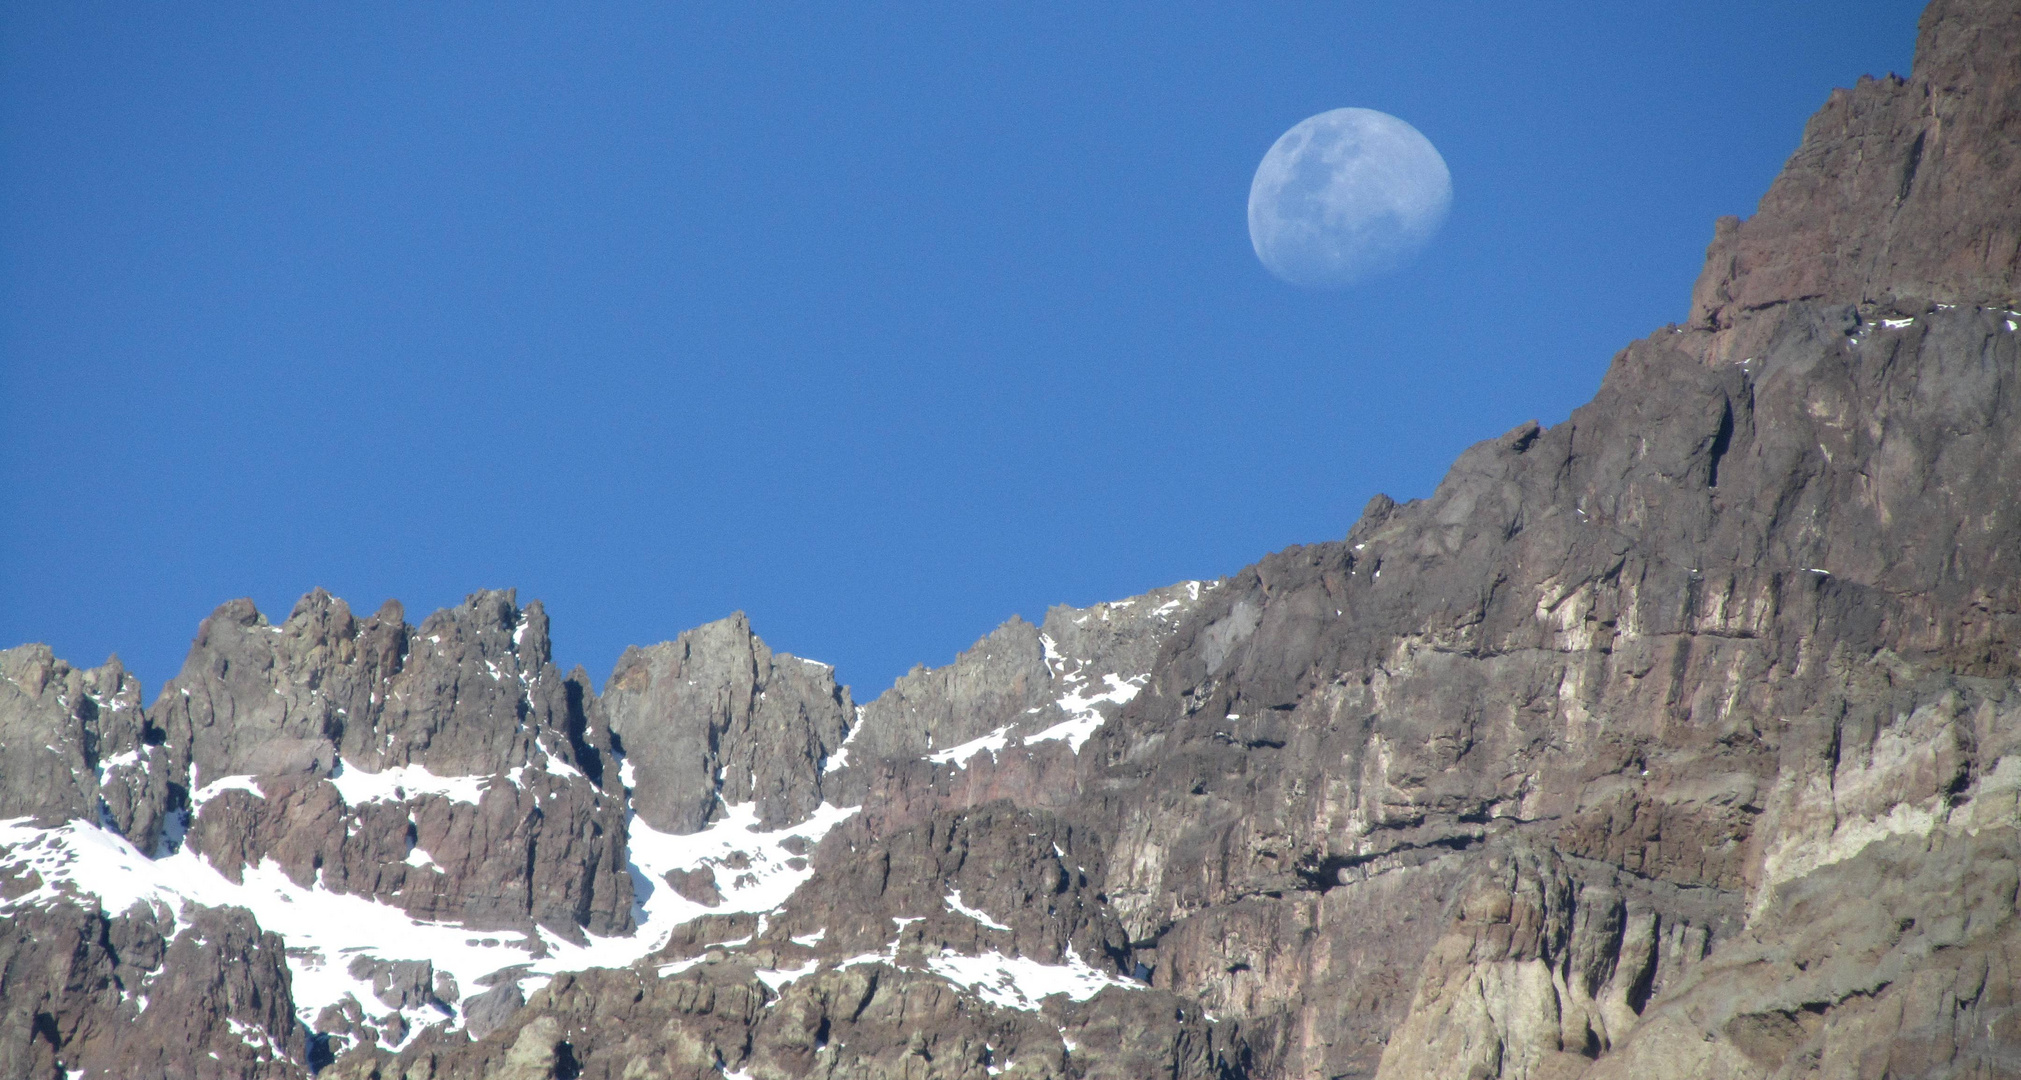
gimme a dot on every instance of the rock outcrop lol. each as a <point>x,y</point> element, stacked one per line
<point>1679,739</point>
<point>78,746</point>
<point>714,717</point>
<point>1903,190</point>
<point>143,993</point>
<point>368,741</point>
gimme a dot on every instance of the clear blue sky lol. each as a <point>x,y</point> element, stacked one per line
<point>880,322</point>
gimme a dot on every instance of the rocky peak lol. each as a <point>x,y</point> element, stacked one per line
<point>715,718</point>
<point>988,684</point>
<point>1902,191</point>
<point>1022,680</point>
<point>472,691</point>
<point>78,746</point>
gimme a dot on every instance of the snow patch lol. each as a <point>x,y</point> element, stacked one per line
<point>216,788</point>
<point>117,761</point>
<point>1082,716</point>
<point>959,756</point>
<point>760,887</point>
<point>954,901</point>
<point>679,966</point>
<point>1051,650</point>
<point>779,979</point>
<point>403,782</point>
<point>253,1035</point>
<point>840,758</point>
<point>554,765</point>
<point>1015,982</point>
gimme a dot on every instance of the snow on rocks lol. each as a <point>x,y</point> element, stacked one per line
<point>959,756</point>
<point>326,931</point>
<point>840,758</point>
<point>215,788</point>
<point>1016,982</point>
<point>779,978</point>
<point>954,901</point>
<point>404,782</point>
<point>1083,718</point>
<point>762,884</point>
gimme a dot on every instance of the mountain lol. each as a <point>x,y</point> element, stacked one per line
<point>1680,739</point>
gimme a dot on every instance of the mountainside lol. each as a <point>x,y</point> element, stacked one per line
<point>1679,739</point>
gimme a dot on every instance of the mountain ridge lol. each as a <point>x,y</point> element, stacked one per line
<point>1681,738</point>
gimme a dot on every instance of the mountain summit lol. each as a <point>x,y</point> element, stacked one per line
<point>1680,739</point>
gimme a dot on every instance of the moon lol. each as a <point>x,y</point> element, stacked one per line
<point>1345,196</point>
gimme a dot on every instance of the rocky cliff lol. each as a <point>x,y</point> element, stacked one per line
<point>1679,739</point>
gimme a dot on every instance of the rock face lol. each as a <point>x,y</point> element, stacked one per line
<point>78,746</point>
<point>318,706</point>
<point>1028,681</point>
<point>714,717</point>
<point>1680,739</point>
<point>141,994</point>
<point>1902,189</point>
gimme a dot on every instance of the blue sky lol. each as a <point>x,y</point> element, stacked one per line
<point>880,322</point>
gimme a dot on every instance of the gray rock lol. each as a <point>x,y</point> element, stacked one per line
<point>714,717</point>
<point>471,692</point>
<point>78,746</point>
<point>487,1012</point>
<point>134,995</point>
<point>1901,189</point>
<point>402,984</point>
<point>697,885</point>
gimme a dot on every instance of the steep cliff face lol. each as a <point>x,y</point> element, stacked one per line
<point>715,718</point>
<point>1679,739</point>
<point>338,749</point>
<point>78,745</point>
<point>1901,190</point>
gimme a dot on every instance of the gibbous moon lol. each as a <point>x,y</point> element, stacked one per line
<point>1345,196</point>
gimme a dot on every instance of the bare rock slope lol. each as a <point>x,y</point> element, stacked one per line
<point>1679,739</point>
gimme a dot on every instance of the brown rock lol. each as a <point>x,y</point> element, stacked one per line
<point>1900,189</point>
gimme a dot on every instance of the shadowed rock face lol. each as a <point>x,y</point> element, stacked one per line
<point>1681,739</point>
<point>137,994</point>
